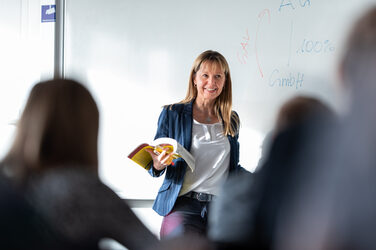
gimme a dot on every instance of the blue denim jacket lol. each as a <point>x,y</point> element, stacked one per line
<point>177,123</point>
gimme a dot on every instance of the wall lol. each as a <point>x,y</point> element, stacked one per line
<point>26,56</point>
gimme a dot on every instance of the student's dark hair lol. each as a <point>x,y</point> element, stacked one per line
<point>359,57</point>
<point>58,127</point>
<point>299,109</point>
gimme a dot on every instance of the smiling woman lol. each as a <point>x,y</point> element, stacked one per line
<point>204,123</point>
<point>209,81</point>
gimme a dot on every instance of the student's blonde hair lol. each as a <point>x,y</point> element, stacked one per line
<point>223,103</point>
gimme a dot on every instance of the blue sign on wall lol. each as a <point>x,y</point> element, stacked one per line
<point>48,13</point>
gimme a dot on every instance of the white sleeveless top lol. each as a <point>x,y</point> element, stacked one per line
<point>211,150</point>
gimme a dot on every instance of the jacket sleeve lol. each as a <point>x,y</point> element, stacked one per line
<point>162,131</point>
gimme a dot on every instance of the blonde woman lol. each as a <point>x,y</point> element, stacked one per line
<point>204,123</point>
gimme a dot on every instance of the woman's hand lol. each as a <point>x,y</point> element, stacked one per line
<point>160,160</point>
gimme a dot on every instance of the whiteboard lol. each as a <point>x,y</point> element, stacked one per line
<point>135,56</point>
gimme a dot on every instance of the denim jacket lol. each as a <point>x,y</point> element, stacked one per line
<point>177,123</point>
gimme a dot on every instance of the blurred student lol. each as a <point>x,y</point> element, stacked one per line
<point>336,209</point>
<point>250,204</point>
<point>54,162</point>
<point>297,110</point>
<point>22,227</point>
<point>294,111</point>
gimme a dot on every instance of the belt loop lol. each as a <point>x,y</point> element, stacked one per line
<point>204,212</point>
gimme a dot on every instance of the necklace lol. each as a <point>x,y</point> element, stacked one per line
<point>208,119</point>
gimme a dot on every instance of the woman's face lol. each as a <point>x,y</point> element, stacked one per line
<point>209,80</point>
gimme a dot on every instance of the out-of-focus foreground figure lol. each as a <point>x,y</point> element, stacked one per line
<point>250,205</point>
<point>53,163</point>
<point>334,205</point>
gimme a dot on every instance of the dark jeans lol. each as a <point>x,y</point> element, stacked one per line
<point>189,216</point>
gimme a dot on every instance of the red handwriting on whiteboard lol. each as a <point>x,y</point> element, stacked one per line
<point>260,17</point>
<point>243,55</point>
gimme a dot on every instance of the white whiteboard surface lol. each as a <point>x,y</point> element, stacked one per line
<point>135,56</point>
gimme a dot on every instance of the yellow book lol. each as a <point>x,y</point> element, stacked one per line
<point>140,156</point>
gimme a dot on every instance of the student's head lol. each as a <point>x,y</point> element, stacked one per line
<point>58,127</point>
<point>358,66</point>
<point>298,109</point>
<point>213,62</point>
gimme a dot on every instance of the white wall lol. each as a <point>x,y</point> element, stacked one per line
<point>26,49</point>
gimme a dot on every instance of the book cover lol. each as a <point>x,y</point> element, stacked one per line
<point>140,156</point>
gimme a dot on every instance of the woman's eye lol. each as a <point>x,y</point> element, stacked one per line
<point>205,75</point>
<point>218,76</point>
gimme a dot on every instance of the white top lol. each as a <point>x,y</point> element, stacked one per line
<point>211,150</point>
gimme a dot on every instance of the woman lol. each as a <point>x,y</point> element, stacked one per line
<point>54,162</point>
<point>204,124</point>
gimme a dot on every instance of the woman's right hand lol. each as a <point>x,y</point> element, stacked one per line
<point>162,160</point>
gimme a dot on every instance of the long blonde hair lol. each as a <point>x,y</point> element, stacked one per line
<point>223,103</point>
